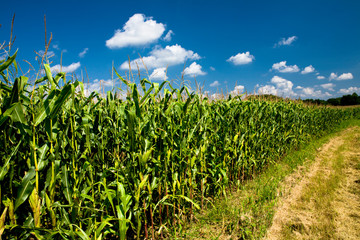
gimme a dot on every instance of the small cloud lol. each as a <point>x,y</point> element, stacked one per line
<point>56,46</point>
<point>98,85</point>
<point>216,96</point>
<point>280,87</point>
<point>158,74</point>
<point>139,30</point>
<point>212,69</point>
<point>167,37</point>
<point>67,69</point>
<point>163,57</point>
<point>320,77</point>
<point>308,69</point>
<point>328,86</point>
<point>48,53</point>
<point>241,58</point>
<point>283,68</point>
<point>286,41</point>
<point>349,90</point>
<point>344,76</point>
<point>238,90</point>
<point>82,54</point>
<point>215,84</point>
<point>194,70</point>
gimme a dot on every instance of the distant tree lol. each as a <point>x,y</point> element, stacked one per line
<point>350,99</point>
<point>334,101</point>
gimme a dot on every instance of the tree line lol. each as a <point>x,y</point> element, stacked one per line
<point>345,100</point>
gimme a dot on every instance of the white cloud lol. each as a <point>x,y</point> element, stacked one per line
<point>158,74</point>
<point>283,68</point>
<point>212,69</point>
<point>309,92</point>
<point>283,87</point>
<point>168,36</point>
<point>308,69</point>
<point>56,46</point>
<point>320,77</point>
<point>216,96</point>
<point>163,57</point>
<point>194,70</point>
<point>286,41</point>
<point>328,86</point>
<point>344,76</point>
<point>98,86</point>
<point>241,58</point>
<point>238,90</point>
<point>48,53</point>
<point>349,90</point>
<point>333,76</point>
<point>138,30</point>
<point>268,89</point>
<point>67,69</point>
<point>82,54</point>
<point>215,84</point>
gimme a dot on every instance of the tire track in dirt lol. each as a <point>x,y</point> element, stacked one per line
<point>323,202</point>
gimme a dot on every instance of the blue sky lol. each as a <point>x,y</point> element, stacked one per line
<point>307,49</point>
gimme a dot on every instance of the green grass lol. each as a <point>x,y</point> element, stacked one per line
<point>247,213</point>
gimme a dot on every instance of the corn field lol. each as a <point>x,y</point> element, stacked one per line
<point>92,167</point>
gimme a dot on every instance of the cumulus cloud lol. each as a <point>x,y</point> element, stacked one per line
<point>212,69</point>
<point>215,84</point>
<point>138,30</point>
<point>168,36</point>
<point>241,58</point>
<point>216,96</point>
<point>308,69</point>
<point>286,41</point>
<point>309,92</point>
<point>280,87</point>
<point>67,69</point>
<point>320,77</point>
<point>163,57</point>
<point>344,76</point>
<point>194,70</point>
<point>158,74</point>
<point>349,90</point>
<point>98,85</point>
<point>328,86</point>
<point>237,90</point>
<point>82,54</point>
<point>283,68</point>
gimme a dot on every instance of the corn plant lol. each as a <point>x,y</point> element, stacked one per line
<point>100,167</point>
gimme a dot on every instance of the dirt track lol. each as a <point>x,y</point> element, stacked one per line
<point>323,202</point>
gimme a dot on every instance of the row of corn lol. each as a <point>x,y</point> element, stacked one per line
<point>99,167</point>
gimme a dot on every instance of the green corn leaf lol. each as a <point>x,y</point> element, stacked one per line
<point>26,187</point>
<point>49,76</point>
<point>41,153</point>
<point>5,168</point>
<point>63,96</point>
<point>8,62</point>
<point>65,181</point>
<point>46,108</point>
<point>81,233</point>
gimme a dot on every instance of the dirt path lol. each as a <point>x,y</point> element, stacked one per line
<point>323,202</point>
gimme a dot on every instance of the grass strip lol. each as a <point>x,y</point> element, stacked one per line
<point>247,212</point>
